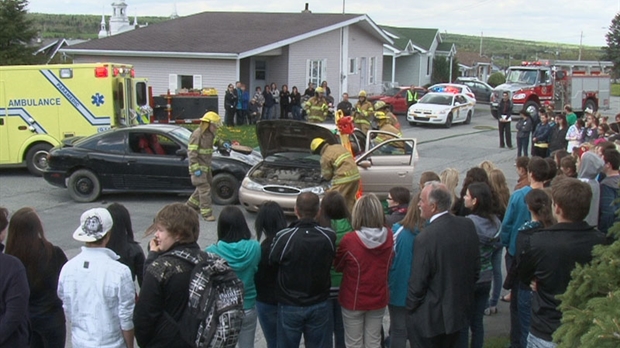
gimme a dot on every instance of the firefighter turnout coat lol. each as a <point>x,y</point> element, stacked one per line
<point>338,165</point>
<point>317,109</point>
<point>200,153</point>
<point>363,115</point>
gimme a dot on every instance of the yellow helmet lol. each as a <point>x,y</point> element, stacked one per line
<point>211,117</point>
<point>362,94</point>
<point>380,115</point>
<point>316,143</point>
<point>380,105</point>
<point>319,90</point>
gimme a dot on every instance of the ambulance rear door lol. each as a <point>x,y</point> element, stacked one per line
<point>141,100</point>
<point>4,134</point>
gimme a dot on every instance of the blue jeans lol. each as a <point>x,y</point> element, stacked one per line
<point>297,112</point>
<point>398,327</point>
<point>496,262</point>
<point>525,311</point>
<point>268,318</point>
<point>48,331</point>
<point>338,326</point>
<point>248,329</point>
<point>268,113</point>
<point>311,321</point>
<point>481,297</point>
<point>522,145</point>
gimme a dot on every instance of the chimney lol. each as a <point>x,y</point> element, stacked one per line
<point>306,10</point>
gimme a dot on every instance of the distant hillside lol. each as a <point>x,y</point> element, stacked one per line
<point>501,49</point>
<point>87,27</point>
<point>76,26</point>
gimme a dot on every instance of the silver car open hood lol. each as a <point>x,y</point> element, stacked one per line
<point>277,136</point>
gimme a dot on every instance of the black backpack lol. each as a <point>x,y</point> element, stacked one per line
<point>214,311</point>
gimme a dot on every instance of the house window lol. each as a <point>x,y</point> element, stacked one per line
<point>317,71</point>
<point>373,70</point>
<point>429,64</point>
<point>176,82</point>
<point>260,70</point>
<point>353,66</point>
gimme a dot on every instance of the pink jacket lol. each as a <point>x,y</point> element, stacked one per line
<point>364,258</point>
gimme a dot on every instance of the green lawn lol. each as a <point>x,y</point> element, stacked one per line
<point>496,342</point>
<point>245,135</point>
<point>615,89</point>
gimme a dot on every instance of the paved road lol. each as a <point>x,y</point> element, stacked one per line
<point>461,147</point>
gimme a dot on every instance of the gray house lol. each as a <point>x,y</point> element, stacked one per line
<point>213,49</point>
<point>409,61</point>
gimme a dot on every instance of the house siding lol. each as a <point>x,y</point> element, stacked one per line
<point>325,46</point>
<point>363,45</point>
<point>408,70</point>
<point>216,73</point>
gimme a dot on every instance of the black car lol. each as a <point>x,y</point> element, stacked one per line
<point>481,89</point>
<point>148,158</point>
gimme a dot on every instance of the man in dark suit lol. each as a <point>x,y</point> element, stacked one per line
<point>445,268</point>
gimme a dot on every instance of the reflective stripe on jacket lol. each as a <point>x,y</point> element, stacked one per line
<point>338,165</point>
<point>200,150</point>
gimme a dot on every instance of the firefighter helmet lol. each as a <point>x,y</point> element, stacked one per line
<point>362,94</point>
<point>380,105</point>
<point>316,143</point>
<point>380,115</point>
<point>211,117</point>
<point>319,90</point>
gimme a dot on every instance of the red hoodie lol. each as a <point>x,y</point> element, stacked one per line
<point>364,258</point>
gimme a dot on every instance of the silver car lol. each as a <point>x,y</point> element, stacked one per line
<point>289,167</point>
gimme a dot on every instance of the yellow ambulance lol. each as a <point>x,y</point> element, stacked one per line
<point>41,105</point>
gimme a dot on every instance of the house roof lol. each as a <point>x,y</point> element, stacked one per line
<point>446,47</point>
<point>471,58</point>
<point>421,37</point>
<point>215,33</point>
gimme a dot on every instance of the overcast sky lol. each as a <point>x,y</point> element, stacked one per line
<point>545,20</point>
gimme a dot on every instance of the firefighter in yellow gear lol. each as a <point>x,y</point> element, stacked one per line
<point>317,107</point>
<point>200,153</point>
<point>391,118</point>
<point>385,126</point>
<point>338,165</point>
<point>363,112</point>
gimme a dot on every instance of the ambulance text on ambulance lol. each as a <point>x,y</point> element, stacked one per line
<point>13,103</point>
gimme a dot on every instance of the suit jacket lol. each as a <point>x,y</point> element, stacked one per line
<point>445,268</point>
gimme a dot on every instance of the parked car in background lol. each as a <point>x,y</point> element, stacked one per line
<point>442,108</point>
<point>289,168</point>
<point>397,98</point>
<point>482,90</point>
<point>453,88</point>
<point>148,158</point>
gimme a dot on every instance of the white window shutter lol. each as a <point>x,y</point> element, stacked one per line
<point>173,83</point>
<point>197,81</point>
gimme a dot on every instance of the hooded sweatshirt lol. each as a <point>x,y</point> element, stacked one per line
<point>488,234</point>
<point>590,166</point>
<point>364,258</point>
<point>608,205</point>
<point>243,257</point>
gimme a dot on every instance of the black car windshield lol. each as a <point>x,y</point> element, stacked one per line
<point>182,134</point>
<point>439,99</point>
<point>391,92</point>
<point>525,76</point>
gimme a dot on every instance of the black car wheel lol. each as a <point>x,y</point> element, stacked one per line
<point>468,119</point>
<point>448,121</point>
<point>36,158</point>
<point>84,186</point>
<point>225,189</point>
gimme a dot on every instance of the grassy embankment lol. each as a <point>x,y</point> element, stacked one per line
<point>615,89</point>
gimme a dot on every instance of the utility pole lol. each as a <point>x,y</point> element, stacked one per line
<point>343,6</point>
<point>481,34</point>
<point>580,44</point>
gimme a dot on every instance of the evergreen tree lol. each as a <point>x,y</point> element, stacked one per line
<point>612,50</point>
<point>16,33</point>
<point>591,304</point>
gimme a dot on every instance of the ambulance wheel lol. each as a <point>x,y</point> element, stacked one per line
<point>36,158</point>
<point>84,186</point>
<point>225,189</point>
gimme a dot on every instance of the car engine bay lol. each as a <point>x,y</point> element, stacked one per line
<point>304,177</point>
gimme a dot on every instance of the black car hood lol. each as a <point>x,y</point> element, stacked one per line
<point>276,136</point>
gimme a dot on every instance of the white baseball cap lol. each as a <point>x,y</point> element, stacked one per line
<point>94,225</point>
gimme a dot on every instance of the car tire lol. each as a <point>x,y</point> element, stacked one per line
<point>36,158</point>
<point>468,119</point>
<point>84,186</point>
<point>448,123</point>
<point>225,189</point>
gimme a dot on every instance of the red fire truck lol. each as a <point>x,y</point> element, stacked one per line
<point>582,84</point>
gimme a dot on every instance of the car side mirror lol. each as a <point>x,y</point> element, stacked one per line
<point>181,153</point>
<point>365,164</point>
